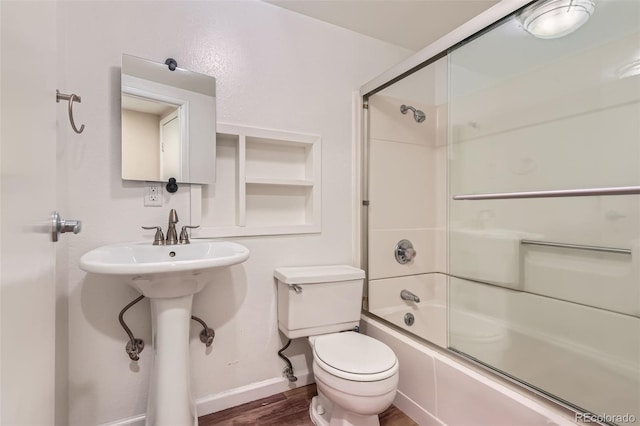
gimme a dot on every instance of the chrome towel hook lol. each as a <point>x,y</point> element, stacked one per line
<point>71,98</point>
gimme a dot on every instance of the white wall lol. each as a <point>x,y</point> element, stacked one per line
<point>274,69</point>
<point>140,145</point>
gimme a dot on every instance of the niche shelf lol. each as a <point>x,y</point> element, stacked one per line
<point>268,182</point>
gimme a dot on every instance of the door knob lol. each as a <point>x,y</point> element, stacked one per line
<point>61,226</point>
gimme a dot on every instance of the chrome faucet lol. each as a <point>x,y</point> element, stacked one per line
<point>172,235</point>
<point>407,295</point>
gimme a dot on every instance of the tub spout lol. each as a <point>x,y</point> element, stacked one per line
<point>407,295</point>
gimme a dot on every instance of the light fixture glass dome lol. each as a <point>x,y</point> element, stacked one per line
<point>555,18</point>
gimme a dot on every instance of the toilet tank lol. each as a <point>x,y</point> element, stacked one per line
<point>318,299</point>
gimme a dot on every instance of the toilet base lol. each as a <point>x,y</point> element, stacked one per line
<point>324,413</point>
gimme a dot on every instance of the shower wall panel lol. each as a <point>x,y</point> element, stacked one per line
<point>407,190</point>
<point>402,187</point>
<point>532,115</point>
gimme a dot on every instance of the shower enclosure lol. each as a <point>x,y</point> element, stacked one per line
<point>520,194</point>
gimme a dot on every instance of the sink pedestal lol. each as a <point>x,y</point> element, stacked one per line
<point>170,401</point>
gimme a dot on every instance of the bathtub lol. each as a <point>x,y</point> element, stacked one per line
<point>429,315</point>
<point>475,333</point>
<point>439,388</point>
<point>429,320</point>
<point>504,329</point>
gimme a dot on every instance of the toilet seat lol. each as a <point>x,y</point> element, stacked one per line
<point>354,356</point>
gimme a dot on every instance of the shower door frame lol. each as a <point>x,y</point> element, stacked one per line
<point>430,54</point>
<point>439,49</point>
<point>433,52</point>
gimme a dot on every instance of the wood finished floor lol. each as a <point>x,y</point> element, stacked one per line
<point>290,408</point>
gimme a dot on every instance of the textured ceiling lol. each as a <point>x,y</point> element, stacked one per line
<point>412,24</point>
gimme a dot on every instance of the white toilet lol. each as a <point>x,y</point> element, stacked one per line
<point>356,375</point>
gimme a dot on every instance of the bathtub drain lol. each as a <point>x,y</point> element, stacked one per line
<point>409,319</point>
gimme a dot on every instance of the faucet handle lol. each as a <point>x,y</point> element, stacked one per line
<point>158,239</point>
<point>184,235</point>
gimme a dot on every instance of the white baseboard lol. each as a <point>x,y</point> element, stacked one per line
<point>242,395</point>
<point>233,397</point>
<point>418,414</point>
<point>129,421</point>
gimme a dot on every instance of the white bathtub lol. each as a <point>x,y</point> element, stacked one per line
<point>430,320</point>
<point>548,343</point>
<point>436,388</point>
<point>475,333</point>
<point>430,314</point>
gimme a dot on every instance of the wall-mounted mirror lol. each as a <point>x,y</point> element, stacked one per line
<point>168,123</point>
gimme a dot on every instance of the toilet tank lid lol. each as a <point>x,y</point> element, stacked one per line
<point>318,274</point>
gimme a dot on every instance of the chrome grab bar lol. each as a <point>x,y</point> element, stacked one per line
<point>576,247</point>
<point>587,192</point>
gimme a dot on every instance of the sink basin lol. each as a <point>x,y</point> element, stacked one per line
<point>164,271</point>
<point>141,258</point>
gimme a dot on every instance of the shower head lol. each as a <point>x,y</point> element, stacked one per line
<point>418,115</point>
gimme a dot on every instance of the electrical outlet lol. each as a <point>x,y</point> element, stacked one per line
<point>152,195</point>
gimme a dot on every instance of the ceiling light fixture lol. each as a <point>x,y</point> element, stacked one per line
<point>550,19</point>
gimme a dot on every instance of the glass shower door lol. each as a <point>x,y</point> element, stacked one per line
<point>544,276</point>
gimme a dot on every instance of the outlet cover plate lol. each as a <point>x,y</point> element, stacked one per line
<point>153,194</point>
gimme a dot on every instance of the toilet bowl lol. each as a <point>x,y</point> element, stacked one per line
<point>356,377</point>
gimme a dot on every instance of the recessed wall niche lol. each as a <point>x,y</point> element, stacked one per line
<point>268,182</point>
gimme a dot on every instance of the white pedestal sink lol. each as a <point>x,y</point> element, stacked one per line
<point>169,276</point>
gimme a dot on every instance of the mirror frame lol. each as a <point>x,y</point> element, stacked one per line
<point>148,80</point>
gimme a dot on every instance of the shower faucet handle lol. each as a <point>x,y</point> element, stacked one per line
<point>158,239</point>
<point>410,253</point>
<point>404,252</point>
